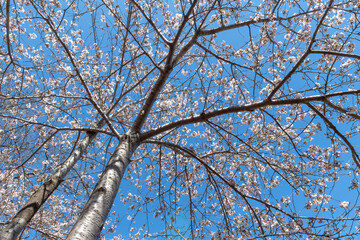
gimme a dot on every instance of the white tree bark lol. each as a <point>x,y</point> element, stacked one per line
<point>18,223</point>
<point>39,197</point>
<point>96,210</point>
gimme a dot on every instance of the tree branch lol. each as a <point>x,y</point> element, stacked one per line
<point>340,54</point>
<point>304,56</point>
<point>83,83</point>
<point>340,109</point>
<point>167,42</point>
<point>227,182</point>
<point>332,126</point>
<point>243,108</point>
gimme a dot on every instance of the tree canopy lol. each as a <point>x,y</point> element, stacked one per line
<point>199,119</point>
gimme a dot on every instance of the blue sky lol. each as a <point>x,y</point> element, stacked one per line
<point>238,38</point>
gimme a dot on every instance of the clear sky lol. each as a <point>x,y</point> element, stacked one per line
<point>290,136</point>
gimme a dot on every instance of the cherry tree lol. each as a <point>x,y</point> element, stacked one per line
<point>180,119</point>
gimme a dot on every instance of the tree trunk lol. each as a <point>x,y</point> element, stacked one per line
<point>36,200</point>
<point>96,210</point>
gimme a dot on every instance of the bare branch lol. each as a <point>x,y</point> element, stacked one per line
<point>151,22</point>
<point>332,126</point>
<point>340,109</point>
<point>243,108</point>
<point>340,54</point>
<point>227,182</point>
<point>91,98</point>
<point>304,56</point>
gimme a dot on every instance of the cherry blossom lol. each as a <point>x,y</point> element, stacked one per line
<point>184,119</point>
